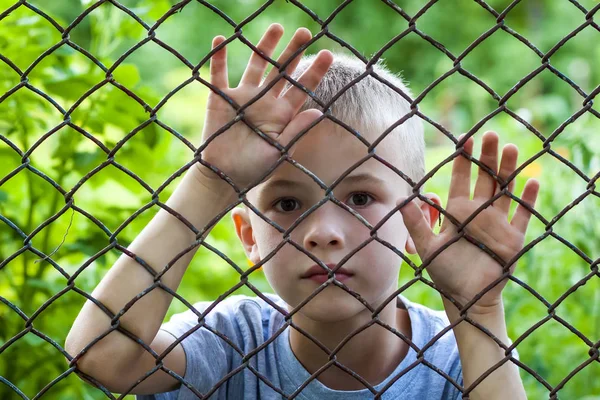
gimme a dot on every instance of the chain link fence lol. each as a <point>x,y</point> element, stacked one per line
<point>69,193</point>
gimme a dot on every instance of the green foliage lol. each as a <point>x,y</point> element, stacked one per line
<point>111,196</point>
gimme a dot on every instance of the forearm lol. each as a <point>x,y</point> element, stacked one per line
<point>157,244</point>
<point>479,352</point>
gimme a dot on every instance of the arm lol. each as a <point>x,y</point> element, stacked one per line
<point>463,271</point>
<point>158,243</point>
<point>116,360</point>
<point>478,353</point>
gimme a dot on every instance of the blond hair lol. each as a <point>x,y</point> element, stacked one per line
<point>370,106</point>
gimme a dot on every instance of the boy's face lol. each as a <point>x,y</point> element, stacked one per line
<point>330,233</point>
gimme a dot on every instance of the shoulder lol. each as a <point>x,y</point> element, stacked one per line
<point>431,332</point>
<point>436,322</point>
<point>432,335</point>
<point>243,306</point>
<point>429,321</point>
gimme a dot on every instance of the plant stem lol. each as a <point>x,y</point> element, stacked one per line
<point>26,296</point>
<point>46,242</point>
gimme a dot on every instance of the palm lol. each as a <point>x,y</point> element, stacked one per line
<point>463,270</point>
<point>233,144</point>
<point>504,240</point>
<point>268,113</point>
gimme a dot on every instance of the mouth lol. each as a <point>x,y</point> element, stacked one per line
<point>318,274</point>
<point>322,278</point>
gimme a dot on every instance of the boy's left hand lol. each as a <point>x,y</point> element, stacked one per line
<point>463,270</point>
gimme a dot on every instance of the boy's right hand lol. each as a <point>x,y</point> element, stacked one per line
<point>239,152</point>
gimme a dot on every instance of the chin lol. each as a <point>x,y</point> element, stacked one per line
<point>331,305</point>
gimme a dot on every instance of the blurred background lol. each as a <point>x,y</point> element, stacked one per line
<point>550,103</point>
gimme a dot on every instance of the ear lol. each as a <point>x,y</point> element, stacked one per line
<point>243,229</point>
<point>431,215</point>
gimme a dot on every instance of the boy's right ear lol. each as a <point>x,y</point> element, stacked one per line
<point>243,229</point>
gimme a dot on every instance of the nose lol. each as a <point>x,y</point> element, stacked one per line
<point>324,227</point>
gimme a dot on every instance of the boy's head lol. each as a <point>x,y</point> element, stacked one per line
<point>370,107</point>
<point>331,233</point>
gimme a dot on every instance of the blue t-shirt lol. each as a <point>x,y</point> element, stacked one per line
<point>250,321</point>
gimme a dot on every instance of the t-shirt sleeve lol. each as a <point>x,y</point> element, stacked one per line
<point>455,373</point>
<point>208,356</point>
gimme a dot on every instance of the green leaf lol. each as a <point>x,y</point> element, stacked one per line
<point>71,88</point>
<point>151,135</point>
<point>127,75</point>
<point>86,161</point>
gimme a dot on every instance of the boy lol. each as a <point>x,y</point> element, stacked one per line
<point>352,337</point>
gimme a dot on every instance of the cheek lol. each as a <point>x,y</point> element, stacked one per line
<point>392,231</point>
<point>380,258</point>
<point>267,237</point>
<point>282,270</point>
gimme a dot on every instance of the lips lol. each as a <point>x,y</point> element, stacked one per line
<point>318,270</point>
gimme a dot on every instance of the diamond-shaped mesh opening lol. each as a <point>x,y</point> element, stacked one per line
<point>141,147</point>
<point>190,44</point>
<point>441,15</point>
<point>573,18</point>
<point>578,355</point>
<point>157,62</point>
<point>178,110</point>
<point>64,155</point>
<point>570,62</point>
<point>109,114</point>
<point>108,45</point>
<point>40,31</point>
<point>67,73</point>
<point>501,55</point>
<point>348,19</point>
<point>110,126</point>
<point>464,103</point>
<point>573,307</point>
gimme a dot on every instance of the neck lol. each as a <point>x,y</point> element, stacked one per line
<point>373,353</point>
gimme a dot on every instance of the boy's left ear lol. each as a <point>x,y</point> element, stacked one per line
<point>431,215</point>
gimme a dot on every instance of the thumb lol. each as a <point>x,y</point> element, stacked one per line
<point>417,226</point>
<point>300,122</point>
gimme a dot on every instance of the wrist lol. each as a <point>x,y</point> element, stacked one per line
<point>208,181</point>
<point>199,200</point>
<point>476,311</point>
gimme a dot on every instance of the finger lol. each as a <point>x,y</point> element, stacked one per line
<point>301,36</point>
<point>521,218</point>
<point>218,65</point>
<point>417,226</point>
<point>309,79</point>
<point>460,184</point>
<point>257,65</point>
<point>300,122</point>
<point>508,165</point>
<point>485,185</point>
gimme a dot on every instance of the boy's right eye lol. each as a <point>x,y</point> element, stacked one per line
<point>287,204</point>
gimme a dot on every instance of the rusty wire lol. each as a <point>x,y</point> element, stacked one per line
<point>69,195</point>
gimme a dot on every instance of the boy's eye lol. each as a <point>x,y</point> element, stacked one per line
<point>361,198</point>
<point>288,203</point>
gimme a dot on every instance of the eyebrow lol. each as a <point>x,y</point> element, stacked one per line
<point>289,184</point>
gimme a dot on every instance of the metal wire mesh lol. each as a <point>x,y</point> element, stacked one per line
<point>69,194</point>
